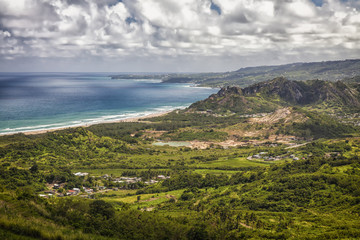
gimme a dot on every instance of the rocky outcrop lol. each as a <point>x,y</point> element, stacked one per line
<point>279,92</point>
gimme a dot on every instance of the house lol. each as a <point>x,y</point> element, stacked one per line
<point>80,174</point>
<point>161,177</point>
<point>151,182</point>
<point>56,186</point>
<point>118,181</point>
<point>89,190</point>
<point>71,193</point>
<point>129,179</point>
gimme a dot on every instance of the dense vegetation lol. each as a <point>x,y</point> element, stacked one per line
<point>270,95</point>
<point>315,197</point>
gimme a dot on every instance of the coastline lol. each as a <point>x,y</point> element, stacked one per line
<point>130,119</point>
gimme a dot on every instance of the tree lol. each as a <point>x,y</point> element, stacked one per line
<point>198,232</point>
<point>25,193</point>
<point>34,168</point>
<point>101,208</point>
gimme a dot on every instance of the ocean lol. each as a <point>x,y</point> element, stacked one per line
<point>41,101</point>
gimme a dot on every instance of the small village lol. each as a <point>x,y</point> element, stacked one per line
<point>58,190</point>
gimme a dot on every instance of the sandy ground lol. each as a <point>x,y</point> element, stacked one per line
<point>135,119</point>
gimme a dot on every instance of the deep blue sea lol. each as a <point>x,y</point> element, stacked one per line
<point>39,101</point>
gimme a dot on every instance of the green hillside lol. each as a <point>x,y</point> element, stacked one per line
<point>212,193</point>
<point>327,70</point>
<point>279,92</point>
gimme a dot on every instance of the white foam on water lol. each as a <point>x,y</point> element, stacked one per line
<point>91,121</point>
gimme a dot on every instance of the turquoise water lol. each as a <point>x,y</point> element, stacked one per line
<point>40,101</point>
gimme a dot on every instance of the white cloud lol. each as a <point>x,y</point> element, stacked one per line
<point>300,8</point>
<point>246,30</point>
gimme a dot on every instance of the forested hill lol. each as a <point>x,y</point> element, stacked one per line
<point>347,70</point>
<point>279,92</point>
<point>327,70</point>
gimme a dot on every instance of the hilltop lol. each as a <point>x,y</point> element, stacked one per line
<point>280,92</point>
<point>326,70</point>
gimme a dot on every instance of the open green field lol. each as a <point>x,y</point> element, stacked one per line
<point>232,163</point>
<point>145,200</point>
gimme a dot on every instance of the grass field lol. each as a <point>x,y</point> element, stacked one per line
<point>215,171</point>
<point>231,162</point>
<point>146,200</point>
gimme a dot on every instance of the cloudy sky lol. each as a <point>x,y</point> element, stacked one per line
<point>174,35</point>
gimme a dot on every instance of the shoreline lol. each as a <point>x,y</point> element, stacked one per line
<point>130,119</point>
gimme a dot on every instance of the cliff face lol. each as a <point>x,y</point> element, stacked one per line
<point>308,92</point>
<point>279,92</point>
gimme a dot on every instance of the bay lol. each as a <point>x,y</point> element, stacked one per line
<point>40,101</point>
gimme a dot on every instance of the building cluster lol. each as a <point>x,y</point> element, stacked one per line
<point>53,192</point>
<point>138,179</point>
<point>264,156</point>
<point>127,180</point>
<point>88,192</point>
<point>77,191</point>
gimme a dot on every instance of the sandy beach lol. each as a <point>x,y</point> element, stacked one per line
<point>133,119</point>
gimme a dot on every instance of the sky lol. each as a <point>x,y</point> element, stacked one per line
<point>173,35</point>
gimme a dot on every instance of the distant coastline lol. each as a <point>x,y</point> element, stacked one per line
<point>41,102</point>
<point>129,119</point>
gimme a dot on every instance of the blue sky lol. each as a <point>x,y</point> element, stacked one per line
<point>173,35</point>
